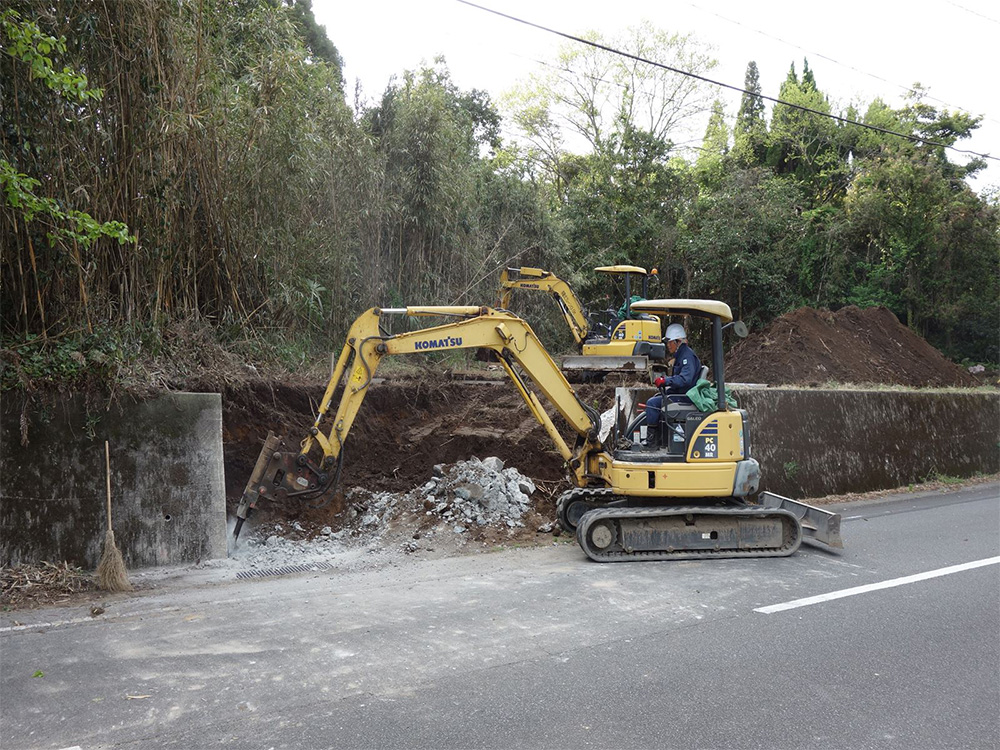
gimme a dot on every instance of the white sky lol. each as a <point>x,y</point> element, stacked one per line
<point>880,47</point>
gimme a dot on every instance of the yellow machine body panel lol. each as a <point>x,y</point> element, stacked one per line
<point>621,269</point>
<point>719,438</point>
<point>673,479</point>
<point>703,307</point>
<point>624,338</point>
<point>709,467</point>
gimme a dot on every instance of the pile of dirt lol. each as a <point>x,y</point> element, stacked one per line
<point>853,345</point>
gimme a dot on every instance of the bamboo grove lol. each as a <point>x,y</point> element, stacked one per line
<point>169,162</point>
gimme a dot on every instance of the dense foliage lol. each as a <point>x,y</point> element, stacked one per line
<point>163,163</point>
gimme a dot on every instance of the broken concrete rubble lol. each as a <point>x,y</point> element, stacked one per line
<point>460,497</point>
<point>480,492</point>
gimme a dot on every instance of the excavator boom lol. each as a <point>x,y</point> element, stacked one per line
<point>546,281</point>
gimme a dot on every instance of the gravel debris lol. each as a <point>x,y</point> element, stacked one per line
<point>460,497</point>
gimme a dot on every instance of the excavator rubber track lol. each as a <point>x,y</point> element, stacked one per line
<point>687,533</point>
<point>573,503</point>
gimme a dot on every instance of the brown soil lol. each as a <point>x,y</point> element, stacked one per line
<point>814,347</point>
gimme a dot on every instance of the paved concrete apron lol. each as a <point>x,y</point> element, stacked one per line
<point>540,647</point>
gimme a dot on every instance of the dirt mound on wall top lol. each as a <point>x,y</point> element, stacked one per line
<point>852,345</point>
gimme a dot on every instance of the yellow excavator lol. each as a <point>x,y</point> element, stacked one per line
<point>607,342</point>
<point>683,497</point>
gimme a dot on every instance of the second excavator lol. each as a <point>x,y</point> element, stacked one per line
<point>622,340</point>
<point>631,500</point>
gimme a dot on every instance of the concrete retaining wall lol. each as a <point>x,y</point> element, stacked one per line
<point>812,443</point>
<point>167,483</point>
<point>168,489</point>
<point>815,443</point>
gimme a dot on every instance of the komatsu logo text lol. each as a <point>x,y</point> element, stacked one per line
<point>446,343</point>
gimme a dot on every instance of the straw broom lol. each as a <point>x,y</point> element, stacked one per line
<point>111,573</point>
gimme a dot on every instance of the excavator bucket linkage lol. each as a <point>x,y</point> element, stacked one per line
<point>277,469</point>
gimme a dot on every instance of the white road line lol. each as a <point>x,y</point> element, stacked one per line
<point>771,609</point>
<point>110,617</point>
<point>81,620</point>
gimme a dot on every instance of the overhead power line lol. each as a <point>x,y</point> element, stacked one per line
<point>740,89</point>
<point>821,56</point>
<point>975,13</point>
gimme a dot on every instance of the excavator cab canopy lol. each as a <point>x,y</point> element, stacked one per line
<point>626,271</point>
<point>621,270</point>
<point>706,308</point>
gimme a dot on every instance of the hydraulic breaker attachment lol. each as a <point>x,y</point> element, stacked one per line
<point>251,494</point>
<point>280,473</point>
<point>821,525</point>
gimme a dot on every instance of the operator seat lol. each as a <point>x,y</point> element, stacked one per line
<point>678,406</point>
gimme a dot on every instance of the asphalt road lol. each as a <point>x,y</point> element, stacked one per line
<point>541,648</point>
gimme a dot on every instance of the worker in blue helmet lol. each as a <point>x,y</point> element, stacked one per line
<point>683,377</point>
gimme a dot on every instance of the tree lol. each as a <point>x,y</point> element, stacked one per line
<point>213,144</point>
<point>593,91</point>
<point>923,241</point>
<point>943,128</point>
<point>750,131</point>
<point>804,145</point>
<point>543,151</point>
<point>445,221</point>
<point>808,79</point>
<point>315,36</point>
<point>624,204</point>
<point>740,244</point>
<point>28,49</point>
<point>714,147</point>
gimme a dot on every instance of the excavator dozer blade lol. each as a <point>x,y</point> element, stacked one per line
<point>821,525</point>
<point>609,363</point>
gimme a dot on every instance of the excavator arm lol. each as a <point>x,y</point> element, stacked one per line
<point>313,471</point>
<point>546,281</point>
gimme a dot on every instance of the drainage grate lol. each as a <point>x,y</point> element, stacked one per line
<point>284,570</point>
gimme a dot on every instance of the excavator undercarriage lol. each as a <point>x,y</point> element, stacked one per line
<point>619,528</point>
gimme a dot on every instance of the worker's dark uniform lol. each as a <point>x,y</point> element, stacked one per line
<point>683,378</point>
